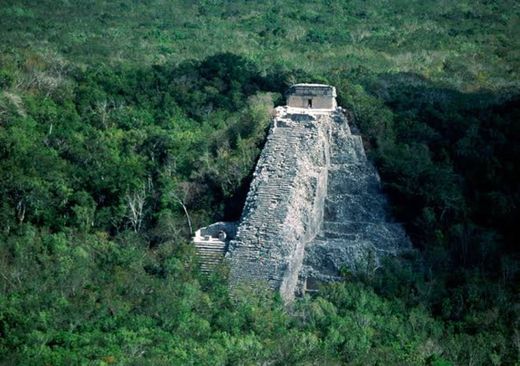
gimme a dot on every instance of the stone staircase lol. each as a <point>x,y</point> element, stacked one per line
<point>211,243</point>
<point>277,170</point>
<point>314,206</point>
<point>210,253</point>
<point>274,223</point>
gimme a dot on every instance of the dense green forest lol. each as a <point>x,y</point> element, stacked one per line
<point>116,114</point>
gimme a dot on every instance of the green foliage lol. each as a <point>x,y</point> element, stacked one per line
<point>70,298</point>
<point>115,115</point>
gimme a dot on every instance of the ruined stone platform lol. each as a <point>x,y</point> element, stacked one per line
<point>211,243</point>
<point>284,206</point>
<point>315,204</point>
<point>357,229</point>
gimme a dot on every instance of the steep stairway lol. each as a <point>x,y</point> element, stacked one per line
<point>210,253</point>
<point>282,206</point>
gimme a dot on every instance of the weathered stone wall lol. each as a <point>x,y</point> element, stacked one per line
<point>357,229</point>
<point>318,102</point>
<point>215,230</point>
<point>284,207</point>
<point>320,96</point>
<point>315,205</point>
<point>211,243</point>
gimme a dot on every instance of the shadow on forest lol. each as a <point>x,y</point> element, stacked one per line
<point>449,162</point>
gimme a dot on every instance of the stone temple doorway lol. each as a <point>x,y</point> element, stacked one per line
<point>309,103</point>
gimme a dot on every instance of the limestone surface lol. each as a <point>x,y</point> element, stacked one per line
<point>357,230</point>
<point>315,207</point>
<point>314,96</point>
<point>285,203</point>
<point>211,243</point>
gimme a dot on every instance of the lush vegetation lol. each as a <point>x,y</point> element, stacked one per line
<point>115,116</point>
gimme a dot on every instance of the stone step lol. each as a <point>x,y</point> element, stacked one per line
<point>210,259</point>
<point>382,235</point>
<point>211,254</point>
<point>346,227</point>
<point>355,208</point>
<point>338,235</point>
<point>211,250</point>
<point>210,245</point>
<point>209,262</point>
<point>335,242</point>
<point>276,192</point>
<point>214,253</point>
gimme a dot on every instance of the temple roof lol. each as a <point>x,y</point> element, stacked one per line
<point>306,89</point>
